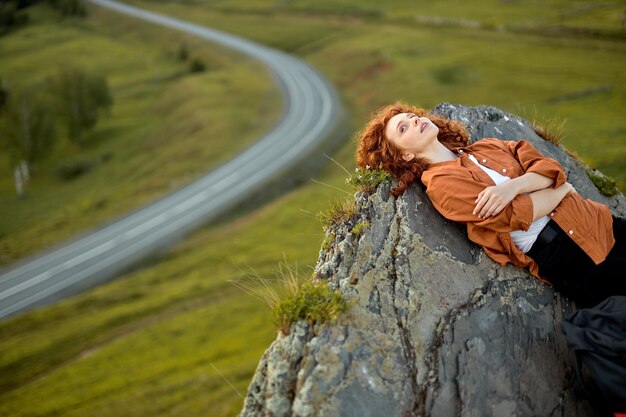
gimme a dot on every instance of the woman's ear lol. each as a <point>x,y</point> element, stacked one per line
<point>408,156</point>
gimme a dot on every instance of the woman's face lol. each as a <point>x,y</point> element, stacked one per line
<point>411,134</point>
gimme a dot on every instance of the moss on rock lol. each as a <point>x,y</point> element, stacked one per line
<point>606,185</point>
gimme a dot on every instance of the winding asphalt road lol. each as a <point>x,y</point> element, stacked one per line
<point>312,113</point>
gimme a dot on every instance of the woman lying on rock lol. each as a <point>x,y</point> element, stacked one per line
<point>515,202</point>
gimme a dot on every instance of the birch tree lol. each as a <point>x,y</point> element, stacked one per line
<point>81,98</point>
<point>27,132</point>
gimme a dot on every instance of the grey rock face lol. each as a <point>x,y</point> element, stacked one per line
<point>437,329</point>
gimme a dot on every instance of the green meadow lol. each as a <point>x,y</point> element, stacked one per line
<point>167,126</point>
<point>171,338</point>
<point>381,53</point>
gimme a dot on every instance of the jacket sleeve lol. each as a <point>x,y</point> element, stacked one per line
<point>453,196</point>
<point>533,161</point>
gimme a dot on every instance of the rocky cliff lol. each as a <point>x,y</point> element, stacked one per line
<point>437,328</point>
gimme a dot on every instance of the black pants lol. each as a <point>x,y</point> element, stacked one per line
<point>574,274</point>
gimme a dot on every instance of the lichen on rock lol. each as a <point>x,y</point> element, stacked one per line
<point>437,328</point>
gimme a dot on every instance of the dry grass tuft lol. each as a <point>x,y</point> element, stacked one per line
<point>298,299</point>
<point>549,128</point>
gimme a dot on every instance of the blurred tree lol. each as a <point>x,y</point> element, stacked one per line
<point>80,97</point>
<point>197,65</point>
<point>69,7</point>
<point>4,94</point>
<point>27,131</point>
<point>10,15</point>
<point>183,53</point>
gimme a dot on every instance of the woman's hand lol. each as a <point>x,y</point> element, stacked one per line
<point>492,200</point>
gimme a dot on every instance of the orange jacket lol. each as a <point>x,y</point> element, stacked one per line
<point>453,186</point>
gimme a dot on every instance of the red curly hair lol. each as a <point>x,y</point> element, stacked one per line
<point>375,151</point>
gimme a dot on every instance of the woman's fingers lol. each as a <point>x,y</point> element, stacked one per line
<point>498,209</point>
<point>488,208</point>
<point>485,202</point>
<point>479,206</point>
<point>482,199</point>
<point>492,207</point>
<point>480,194</point>
<point>495,209</point>
<point>485,207</point>
<point>492,200</point>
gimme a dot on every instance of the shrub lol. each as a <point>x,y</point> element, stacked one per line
<point>303,299</point>
<point>73,168</point>
<point>80,97</point>
<point>453,74</point>
<point>183,53</point>
<point>69,7</point>
<point>4,96</point>
<point>313,301</point>
<point>340,210</point>
<point>359,228</point>
<point>328,241</point>
<point>366,180</point>
<point>196,65</point>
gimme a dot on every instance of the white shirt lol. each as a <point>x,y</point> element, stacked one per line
<point>523,239</point>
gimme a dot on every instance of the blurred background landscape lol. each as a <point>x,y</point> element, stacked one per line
<point>170,338</point>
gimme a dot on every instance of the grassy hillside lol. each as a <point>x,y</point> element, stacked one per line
<point>152,342</point>
<point>599,15</point>
<point>167,125</point>
<point>375,59</point>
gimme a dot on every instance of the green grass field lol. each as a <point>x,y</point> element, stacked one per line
<point>150,342</point>
<point>167,126</point>
<point>373,61</point>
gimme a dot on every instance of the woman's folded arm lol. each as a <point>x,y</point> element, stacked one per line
<point>494,199</point>
<point>546,200</point>
<point>454,197</point>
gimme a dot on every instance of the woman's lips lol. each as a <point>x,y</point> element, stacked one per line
<point>424,126</point>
